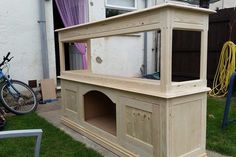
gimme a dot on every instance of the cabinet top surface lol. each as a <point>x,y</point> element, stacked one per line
<point>134,85</point>
<point>165,5</point>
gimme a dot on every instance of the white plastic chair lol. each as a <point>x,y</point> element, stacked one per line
<point>25,133</point>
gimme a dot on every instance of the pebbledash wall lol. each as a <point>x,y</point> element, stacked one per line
<point>124,55</point>
<point>223,4</point>
<point>121,55</point>
<point>20,34</point>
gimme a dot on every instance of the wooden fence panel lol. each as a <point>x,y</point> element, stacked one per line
<point>186,56</point>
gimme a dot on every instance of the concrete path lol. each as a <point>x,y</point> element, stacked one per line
<point>51,112</point>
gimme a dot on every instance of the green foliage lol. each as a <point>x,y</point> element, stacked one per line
<point>55,143</point>
<point>221,140</point>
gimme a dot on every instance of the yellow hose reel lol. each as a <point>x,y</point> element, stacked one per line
<point>225,68</point>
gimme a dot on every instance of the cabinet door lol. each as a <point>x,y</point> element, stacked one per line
<point>139,125</point>
<point>70,101</point>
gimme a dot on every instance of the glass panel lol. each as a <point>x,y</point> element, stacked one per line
<point>122,3</point>
<point>114,12</point>
<point>134,55</point>
<point>73,58</point>
<point>186,49</point>
<point>189,1</point>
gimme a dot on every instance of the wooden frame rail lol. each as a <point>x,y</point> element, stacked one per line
<point>166,18</point>
<point>132,116</point>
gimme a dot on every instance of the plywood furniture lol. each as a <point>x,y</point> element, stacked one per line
<point>135,116</point>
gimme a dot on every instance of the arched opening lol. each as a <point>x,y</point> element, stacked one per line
<point>100,111</point>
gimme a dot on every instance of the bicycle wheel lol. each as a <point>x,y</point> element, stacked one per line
<point>2,119</point>
<point>18,97</point>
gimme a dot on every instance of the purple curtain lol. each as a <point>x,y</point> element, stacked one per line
<point>74,12</point>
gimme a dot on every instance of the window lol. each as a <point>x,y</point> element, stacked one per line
<point>186,53</point>
<point>114,12</point>
<point>117,7</point>
<point>121,4</point>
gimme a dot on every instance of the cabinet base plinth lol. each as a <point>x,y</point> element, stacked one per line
<point>117,149</point>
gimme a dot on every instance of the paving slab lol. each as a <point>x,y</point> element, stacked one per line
<point>214,154</point>
<point>52,111</point>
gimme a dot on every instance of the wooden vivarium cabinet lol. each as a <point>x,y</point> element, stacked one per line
<point>136,116</point>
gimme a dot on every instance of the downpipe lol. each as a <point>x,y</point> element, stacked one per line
<point>43,38</point>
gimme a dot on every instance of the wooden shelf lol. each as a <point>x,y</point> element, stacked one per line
<point>105,122</point>
<point>100,111</point>
<point>148,117</point>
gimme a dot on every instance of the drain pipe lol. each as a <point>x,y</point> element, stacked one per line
<point>145,45</point>
<point>43,37</point>
<point>223,4</point>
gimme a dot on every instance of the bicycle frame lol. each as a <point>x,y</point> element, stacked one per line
<point>16,96</point>
<point>9,84</point>
<point>2,75</point>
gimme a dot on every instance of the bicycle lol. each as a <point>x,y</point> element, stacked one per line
<point>16,96</point>
<point>2,119</point>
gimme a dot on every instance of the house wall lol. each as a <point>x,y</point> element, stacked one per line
<point>20,34</point>
<point>121,55</point>
<point>50,38</point>
<point>173,1</point>
<point>223,4</point>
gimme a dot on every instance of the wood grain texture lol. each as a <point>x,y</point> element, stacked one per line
<point>150,118</point>
<point>138,120</point>
<point>184,127</point>
<point>70,102</point>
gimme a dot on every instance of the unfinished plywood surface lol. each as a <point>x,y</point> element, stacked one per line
<point>185,127</point>
<point>70,100</point>
<point>136,85</point>
<point>100,111</point>
<point>104,122</point>
<point>165,18</point>
<point>167,126</point>
<point>48,89</point>
<point>138,120</point>
<point>97,104</point>
<point>126,23</point>
<point>105,142</point>
<point>140,132</point>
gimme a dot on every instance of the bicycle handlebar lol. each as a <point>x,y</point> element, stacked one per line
<point>6,59</point>
<point>8,54</point>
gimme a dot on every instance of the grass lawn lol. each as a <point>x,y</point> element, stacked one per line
<point>55,143</point>
<point>222,141</point>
